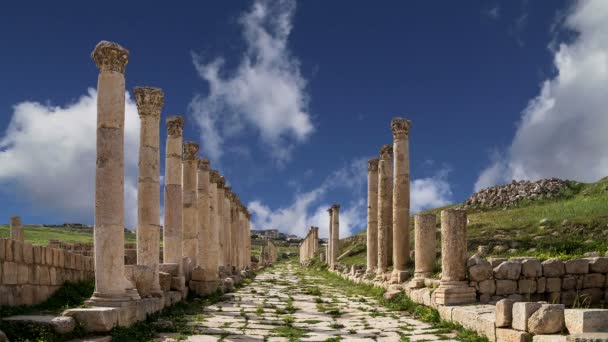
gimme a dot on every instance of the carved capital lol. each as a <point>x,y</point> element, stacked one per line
<point>110,56</point>
<point>149,100</point>
<point>372,164</point>
<point>190,150</point>
<point>221,182</point>
<point>335,206</point>
<point>386,152</point>
<point>175,125</point>
<point>203,164</point>
<point>400,127</point>
<point>330,210</point>
<point>214,176</point>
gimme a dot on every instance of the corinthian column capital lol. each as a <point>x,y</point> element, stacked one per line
<point>149,100</point>
<point>203,164</point>
<point>110,56</point>
<point>400,127</point>
<point>190,150</point>
<point>175,125</point>
<point>372,164</point>
<point>386,152</point>
<point>214,176</point>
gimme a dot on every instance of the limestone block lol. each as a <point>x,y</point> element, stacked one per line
<point>549,319</point>
<point>27,295</point>
<point>23,274</point>
<point>142,277</point>
<point>586,320</point>
<point>505,287</point>
<point>531,268</point>
<point>97,319</point>
<point>2,249</point>
<point>48,258</point>
<point>63,324</point>
<point>510,335</point>
<point>569,283</point>
<point>577,266</point>
<point>8,250</point>
<point>568,297</point>
<point>28,253</point>
<point>526,286</point>
<point>553,285</point>
<point>593,280</point>
<point>10,272</point>
<point>549,338</point>
<point>508,270</point>
<point>178,283</point>
<point>553,268</point>
<point>172,269</point>
<point>37,253</point>
<point>445,312</point>
<point>588,337</point>
<point>496,261</point>
<point>487,286</point>
<point>522,312</point>
<point>598,264</point>
<point>17,251</point>
<point>164,280</point>
<point>504,313</point>
<point>541,285</point>
<point>480,271</point>
<point>127,315</point>
<point>479,318</point>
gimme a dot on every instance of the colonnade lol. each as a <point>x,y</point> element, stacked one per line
<point>309,247</point>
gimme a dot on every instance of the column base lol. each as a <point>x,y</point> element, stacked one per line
<point>416,283</point>
<point>398,276</point>
<point>203,288</point>
<point>455,293</point>
<point>129,298</point>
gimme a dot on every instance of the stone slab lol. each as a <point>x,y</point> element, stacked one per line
<point>586,320</point>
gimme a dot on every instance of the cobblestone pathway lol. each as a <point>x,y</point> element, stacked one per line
<point>281,305</point>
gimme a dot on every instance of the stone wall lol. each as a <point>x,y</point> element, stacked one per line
<point>580,280</point>
<point>512,193</point>
<point>30,274</point>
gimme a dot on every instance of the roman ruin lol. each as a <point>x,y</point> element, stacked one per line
<point>401,198</point>
<point>172,231</point>
<point>385,208</point>
<point>189,201</point>
<point>310,245</point>
<point>16,229</point>
<point>424,242</point>
<point>335,234</point>
<point>372,216</point>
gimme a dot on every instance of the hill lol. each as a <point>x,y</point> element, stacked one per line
<point>40,235</point>
<point>566,225</point>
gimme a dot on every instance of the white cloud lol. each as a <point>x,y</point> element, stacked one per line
<point>562,131</point>
<point>266,93</point>
<point>48,157</point>
<point>310,208</point>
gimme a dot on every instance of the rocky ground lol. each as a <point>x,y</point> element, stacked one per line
<point>285,305</point>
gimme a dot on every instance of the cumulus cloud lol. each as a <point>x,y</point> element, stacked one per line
<point>562,131</point>
<point>48,157</point>
<point>310,208</point>
<point>266,94</point>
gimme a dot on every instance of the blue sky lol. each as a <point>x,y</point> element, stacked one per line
<point>289,100</point>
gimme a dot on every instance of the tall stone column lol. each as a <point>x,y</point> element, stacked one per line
<point>172,230</point>
<point>16,229</point>
<point>385,207</point>
<point>372,216</point>
<point>111,286</point>
<point>221,222</point>
<point>228,228</point>
<point>189,208</point>
<point>214,238</point>
<point>234,236</point>
<point>204,219</point>
<point>401,198</point>
<point>454,288</point>
<point>329,239</point>
<point>424,247</point>
<point>335,236</point>
<point>248,239</point>
<point>149,105</point>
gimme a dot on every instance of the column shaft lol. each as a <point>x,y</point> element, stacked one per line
<point>172,230</point>
<point>204,217</point>
<point>372,215</point>
<point>16,230</point>
<point>221,223</point>
<point>189,202</point>
<point>425,244</point>
<point>335,237</point>
<point>214,238</point>
<point>385,207</point>
<point>401,197</point>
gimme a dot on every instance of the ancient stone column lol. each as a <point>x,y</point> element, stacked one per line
<point>424,247</point>
<point>172,229</point>
<point>454,289</point>
<point>248,239</point>
<point>189,202</point>
<point>401,198</point>
<point>204,219</point>
<point>149,105</point>
<point>111,286</point>
<point>221,222</point>
<point>335,236</point>
<point>385,207</point>
<point>234,227</point>
<point>16,229</point>
<point>329,238</point>
<point>228,229</point>
<point>372,215</point>
<point>214,237</point>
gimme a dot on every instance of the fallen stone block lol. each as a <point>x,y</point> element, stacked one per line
<point>61,324</point>
<point>479,318</point>
<point>586,320</point>
<point>510,335</point>
<point>99,319</point>
<point>164,280</point>
<point>549,319</point>
<point>549,338</point>
<point>588,337</point>
<point>504,313</point>
<point>521,313</point>
<point>172,269</point>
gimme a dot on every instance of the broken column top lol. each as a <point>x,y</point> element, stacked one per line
<point>386,152</point>
<point>110,56</point>
<point>425,215</point>
<point>190,150</point>
<point>16,220</point>
<point>372,164</point>
<point>203,164</point>
<point>400,127</point>
<point>149,100</point>
<point>175,125</point>
<point>335,206</point>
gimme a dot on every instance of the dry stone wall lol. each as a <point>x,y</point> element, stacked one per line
<point>515,192</point>
<point>583,281</point>
<point>30,274</point>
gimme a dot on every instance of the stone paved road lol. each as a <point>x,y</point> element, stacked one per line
<point>281,305</point>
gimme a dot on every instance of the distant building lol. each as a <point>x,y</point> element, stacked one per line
<point>268,234</point>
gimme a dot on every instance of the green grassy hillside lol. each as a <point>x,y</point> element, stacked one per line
<point>37,235</point>
<point>566,227</point>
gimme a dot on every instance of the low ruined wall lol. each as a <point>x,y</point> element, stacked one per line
<point>580,280</point>
<point>30,274</point>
